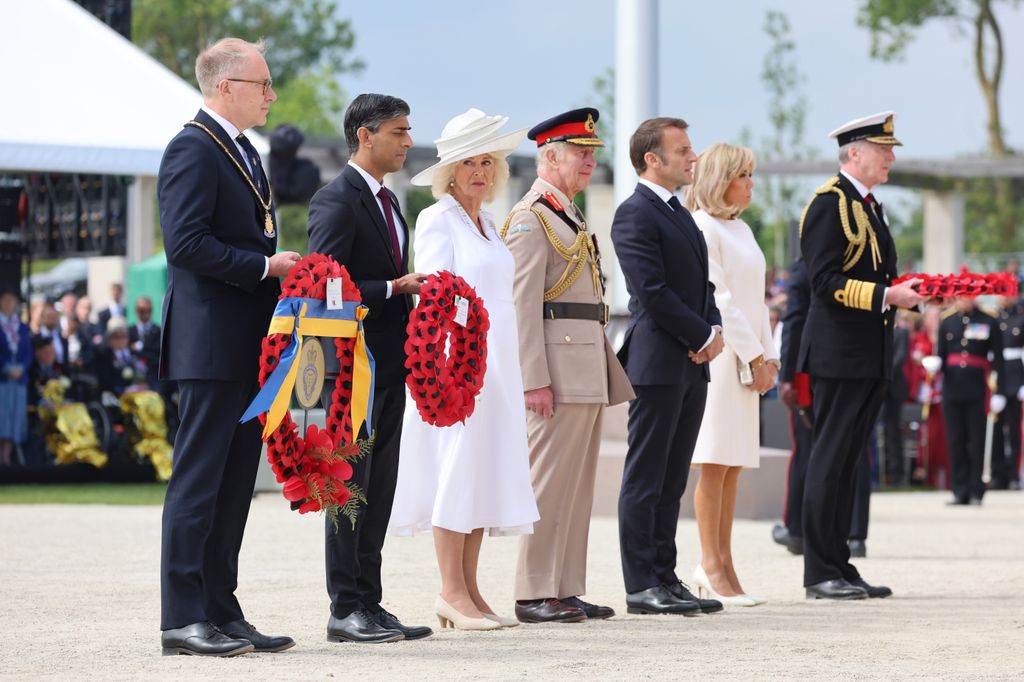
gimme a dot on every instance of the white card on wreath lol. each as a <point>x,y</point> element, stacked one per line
<point>461,311</point>
<point>334,300</point>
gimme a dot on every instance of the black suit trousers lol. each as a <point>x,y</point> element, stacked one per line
<point>353,555</point>
<point>1005,461</point>
<point>845,411</point>
<point>965,434</point>
<point>663,425</point>
<point>207,503</point>
<point>793,515</point>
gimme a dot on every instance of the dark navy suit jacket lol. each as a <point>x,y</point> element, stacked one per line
<point>217,307</point>
<point>671,301</point>
<point>345,221</point>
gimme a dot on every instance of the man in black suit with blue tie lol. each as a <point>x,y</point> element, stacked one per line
<point>674,331</point>
<point>220,237</point>
<point>355,219</point>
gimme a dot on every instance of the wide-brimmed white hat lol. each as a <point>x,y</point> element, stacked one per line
<point>470,134</point>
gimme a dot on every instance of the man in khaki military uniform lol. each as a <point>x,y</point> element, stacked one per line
<point>569,369</point>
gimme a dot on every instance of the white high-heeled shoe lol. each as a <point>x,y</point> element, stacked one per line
<point>704,585</point>
<point>449,616</point>
<point>757,600</point>
<point>503,621</point>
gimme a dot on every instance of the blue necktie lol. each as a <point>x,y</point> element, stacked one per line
<point>254,161</point>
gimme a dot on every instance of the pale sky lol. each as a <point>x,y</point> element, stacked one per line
<point>531,59</point>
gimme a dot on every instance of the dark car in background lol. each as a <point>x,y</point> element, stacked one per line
<point>71,275</point>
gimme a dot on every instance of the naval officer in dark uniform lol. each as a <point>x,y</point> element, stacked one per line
<point>1007,436</point>
<point>847,343</point>
<point>971,347</point>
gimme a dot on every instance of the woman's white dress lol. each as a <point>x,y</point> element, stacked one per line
<point>477,474</point>
<point>729,433</point>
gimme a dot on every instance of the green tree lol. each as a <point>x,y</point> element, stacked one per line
<point>993,206</point>
<point>308,49</point>
<point>787,114</point>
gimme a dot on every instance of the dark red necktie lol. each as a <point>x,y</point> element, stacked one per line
<point>875,206</point>
<point>389,216</point>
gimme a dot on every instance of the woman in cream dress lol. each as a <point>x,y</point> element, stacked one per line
<point>461,480</point>
<point>729,434</point>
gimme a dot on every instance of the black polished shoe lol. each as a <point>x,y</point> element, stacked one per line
<point>657,599</point>
<point>389,621</point>
<point>858,548</point>
<point>958,502</point>
<point>874,591</point>
<point>243,629</point>
<point>593,611</point>
<point>201,639</point>
<point>548,611</point>
<point>681,590</point>
<point>794,543</point>
<point>360,626</point>
<point>835,589</point>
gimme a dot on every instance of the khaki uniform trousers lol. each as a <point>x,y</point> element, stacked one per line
<point>563,466</point>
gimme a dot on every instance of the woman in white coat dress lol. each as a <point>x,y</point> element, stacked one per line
<point>729,434</point>
<point>463,479</point>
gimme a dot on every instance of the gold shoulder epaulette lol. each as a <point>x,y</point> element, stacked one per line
<point>857,240</point>
<point>990,311</point>
<point>948,312</point>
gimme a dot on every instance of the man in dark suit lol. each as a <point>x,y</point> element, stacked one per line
<point>674,331</point>
<point>144,339</point>
<point>220,237</point>
<point>1007,437</point>
<point>847,344</point>
<point>114,309</point>
<point>355,219</point>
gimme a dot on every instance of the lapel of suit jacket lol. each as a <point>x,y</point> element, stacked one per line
<point>372,207</point>
<point>223,136</point>
<point>687,227</point>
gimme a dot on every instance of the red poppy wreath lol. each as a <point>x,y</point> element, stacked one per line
<point>315,469</point>
<point>445,386</point>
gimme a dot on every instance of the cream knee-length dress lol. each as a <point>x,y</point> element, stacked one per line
<point>729,433</point>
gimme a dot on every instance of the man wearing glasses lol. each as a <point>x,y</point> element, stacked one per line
<point>220,236</point>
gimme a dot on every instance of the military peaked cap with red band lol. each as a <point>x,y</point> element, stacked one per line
<point>578,126</point>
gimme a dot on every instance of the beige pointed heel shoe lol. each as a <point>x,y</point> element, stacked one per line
<point>449,616</point>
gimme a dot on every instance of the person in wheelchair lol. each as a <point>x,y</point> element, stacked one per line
<point>118,368</point>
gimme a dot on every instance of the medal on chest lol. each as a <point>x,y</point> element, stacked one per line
<point>268,226</point>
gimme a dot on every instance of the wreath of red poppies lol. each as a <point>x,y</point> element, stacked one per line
<point>314,469</point>
<point>445,386</point>
<point>964,284</point>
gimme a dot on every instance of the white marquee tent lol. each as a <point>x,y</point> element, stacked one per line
<point>80,98</point>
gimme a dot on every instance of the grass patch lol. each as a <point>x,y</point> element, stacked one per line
<point>84,493</point>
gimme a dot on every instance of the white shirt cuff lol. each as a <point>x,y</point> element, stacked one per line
<point>711,338</point>
<point>266,268</point>
<point>885,297</point>
<point>387,292</point>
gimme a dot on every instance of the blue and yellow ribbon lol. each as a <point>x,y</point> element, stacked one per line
<point>302,317</point>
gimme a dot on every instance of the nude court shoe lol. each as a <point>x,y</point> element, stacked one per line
<point>502,620</point>
<point>449,616</point>
<point>704,585</point>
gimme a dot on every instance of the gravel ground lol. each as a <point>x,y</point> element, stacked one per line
<point>79,590</point>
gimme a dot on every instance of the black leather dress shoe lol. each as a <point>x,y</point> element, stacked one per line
<point>658,599</point>
<point>680,590</point>
<point>201,639</point>
<point>835,589</point>
<point>593,611</point>
<point>794,543</point>
<point>548,611</point>
<point>958,502</point>
<point>389,621</point>
<point>360,626</point>
<point>858,548</point>
<point>874,591</point>
<point>243,629</point>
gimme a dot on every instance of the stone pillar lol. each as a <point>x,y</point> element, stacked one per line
<point>943,231</point>
<point>141,222</point>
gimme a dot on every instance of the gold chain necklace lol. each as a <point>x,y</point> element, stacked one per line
<point>268,221</point>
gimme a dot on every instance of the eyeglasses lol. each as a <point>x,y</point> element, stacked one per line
<point>267,84</point>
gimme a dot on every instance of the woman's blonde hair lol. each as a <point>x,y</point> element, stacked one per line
<point>441,183</point>
<point>719,165</point>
